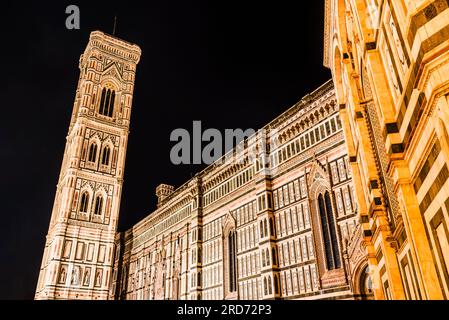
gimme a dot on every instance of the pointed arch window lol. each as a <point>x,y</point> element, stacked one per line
<point>265,228</point>
<point>92,152</point>
<point>105,156</point>
<point>273,256</point>
<point>98,205</point>
<point>263,258</point>
<point>270,287</point>
<point>84,202</point>
<point>107,101</point>
<point>232,261</point>
<point>265,286</point>
<point>276,284</point>
<point>333,260</point>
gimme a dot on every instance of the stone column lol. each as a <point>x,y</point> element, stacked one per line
<point>416,232</point>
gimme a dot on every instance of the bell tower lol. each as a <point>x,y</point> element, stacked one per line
<point>79,248</point>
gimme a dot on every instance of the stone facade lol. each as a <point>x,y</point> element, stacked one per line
<point>273,227</point>
<point>390,67</point>
<point>79,250</point>
<point>276,218</point>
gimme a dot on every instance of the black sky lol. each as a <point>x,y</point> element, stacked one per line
<point>229,64</point>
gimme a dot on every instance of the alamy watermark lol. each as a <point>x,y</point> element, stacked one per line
<point>73,21</point>
<point>212,146</point>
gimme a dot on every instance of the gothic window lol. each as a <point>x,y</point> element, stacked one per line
<point>273,255</point>
<point>329,232</point>
<point>272,227</point>
<point>263,258</point>
<point>270,288</point>
<point>254,234</point>
<point>276,284</point>
<point>232,261</point>
<point>84,201</point>
<point>199,255</point>
<point>105,156</point>
<point>107,102</point>
<point>98,205</point>
<point>92,152</point>
<point>265,228</point>
<point>265,286</point>
<point>267,256</point>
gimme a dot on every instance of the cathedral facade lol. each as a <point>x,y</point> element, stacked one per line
<point>276,218</point>
<point>390,67</point>
<point>276,226</point>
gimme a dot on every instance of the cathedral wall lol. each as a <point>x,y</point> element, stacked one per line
<point>182,250</point>
<point>390,65</point>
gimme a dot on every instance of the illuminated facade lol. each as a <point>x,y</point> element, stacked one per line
<point>278,219</point>
<point>390,67</point>
<point>278,227</point>
<point>79,250</point>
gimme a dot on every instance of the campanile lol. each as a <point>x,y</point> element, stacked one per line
<point>79,248</point>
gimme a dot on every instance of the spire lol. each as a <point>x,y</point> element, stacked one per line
<point>115,26</point>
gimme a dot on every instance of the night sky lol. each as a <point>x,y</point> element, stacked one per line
<point>229,64</point>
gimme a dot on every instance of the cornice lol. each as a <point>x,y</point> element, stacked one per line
<point>114,46</point>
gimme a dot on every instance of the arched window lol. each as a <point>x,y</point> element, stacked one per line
<point>232,261</point>
<point>276,284</point>
<point>84,202</point>
<point>98,205</point>
<point>267,253</point>
<point>92,153</point>
<point>333,260</point>
<point>272,227</point>
<point>265,286</point>
<point>333,230</point>
<point>105,156</point>
<point>261,229</point>
<point>273,256</point>
<point>103,96</point>
<point>107,101</point>
<point>263,258</point>
<point>199,279</point>
<point>265,228</point>
<point>270,287</point>
<point>111,105</point>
